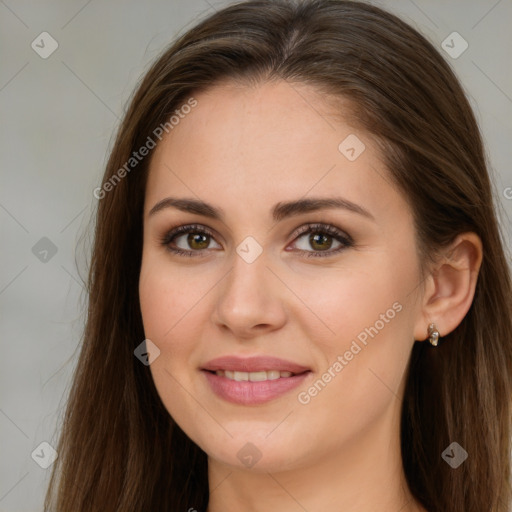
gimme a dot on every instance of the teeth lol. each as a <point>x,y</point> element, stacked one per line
<point>253,376</point>
<point>257,376</point>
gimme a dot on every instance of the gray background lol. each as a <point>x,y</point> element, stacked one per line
<point>58,116</point>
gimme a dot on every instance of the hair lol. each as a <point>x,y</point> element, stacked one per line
<point>119,449</point>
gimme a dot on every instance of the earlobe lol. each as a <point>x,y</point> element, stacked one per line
<point>450,287</point>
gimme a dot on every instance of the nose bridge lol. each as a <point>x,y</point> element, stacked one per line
<point>249,273</point>
<point>249,295</point>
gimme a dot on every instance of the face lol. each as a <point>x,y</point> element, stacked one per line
<point>284,325</point>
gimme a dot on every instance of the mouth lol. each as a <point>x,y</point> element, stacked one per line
<point>254,364</point>
<point>254,376</point>
<point>254,380</point>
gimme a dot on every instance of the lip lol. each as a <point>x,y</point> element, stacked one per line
<point>253,364</point>
<point>249,392</point>
<point>252,393</point>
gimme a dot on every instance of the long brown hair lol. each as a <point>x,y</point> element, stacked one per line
<point>119,449</point>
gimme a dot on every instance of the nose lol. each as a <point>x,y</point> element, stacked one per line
<point>250,300</point>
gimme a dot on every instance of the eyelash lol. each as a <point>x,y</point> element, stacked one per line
<point>326,229</point>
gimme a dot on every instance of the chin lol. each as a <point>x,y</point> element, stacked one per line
<point>247,451</point>
<point>250,458</point>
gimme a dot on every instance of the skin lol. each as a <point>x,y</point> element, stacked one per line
<point>244,149</point>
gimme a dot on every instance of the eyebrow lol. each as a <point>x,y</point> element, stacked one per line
<point>280,211</point>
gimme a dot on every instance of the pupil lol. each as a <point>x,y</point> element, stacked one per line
<point>318,239</point>
<point>196,238</point>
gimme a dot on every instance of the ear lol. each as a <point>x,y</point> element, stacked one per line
<point>450,287</point>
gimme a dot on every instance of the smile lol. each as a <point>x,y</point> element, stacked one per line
<point>253,376</point>
<point>252,380</point>
<point>252,388</point>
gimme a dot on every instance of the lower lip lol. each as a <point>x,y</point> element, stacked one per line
<point>252,393</point>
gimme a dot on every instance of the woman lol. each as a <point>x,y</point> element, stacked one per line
<point>299,298</point>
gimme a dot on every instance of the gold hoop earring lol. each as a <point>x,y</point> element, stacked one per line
<point>433,335</point>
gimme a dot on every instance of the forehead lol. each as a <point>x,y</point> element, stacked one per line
<point>243,145</point>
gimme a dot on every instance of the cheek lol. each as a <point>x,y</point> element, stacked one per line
<point>168,318</point>
<point>366,357</point>
<point>168,321</point>
<point>167,296</point>
<point>342,304</point>
<point>173,314</point>
<point>362,376</point>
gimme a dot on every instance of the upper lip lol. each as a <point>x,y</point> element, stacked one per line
<point>253,364</point>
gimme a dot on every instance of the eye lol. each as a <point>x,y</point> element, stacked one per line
<point>192,240</point>
<point>321,240</point>
<point>193,237</point>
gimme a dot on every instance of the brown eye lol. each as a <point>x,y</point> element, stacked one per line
<point>197,240</point>
<point>191,240</point>
<point>321,239</point>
